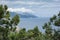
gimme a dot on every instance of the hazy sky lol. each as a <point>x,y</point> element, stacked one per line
<point>41,8</point>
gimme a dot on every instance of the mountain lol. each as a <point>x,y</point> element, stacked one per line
<point>23,15</point>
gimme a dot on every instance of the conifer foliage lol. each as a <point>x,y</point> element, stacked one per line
<point>7,24</point>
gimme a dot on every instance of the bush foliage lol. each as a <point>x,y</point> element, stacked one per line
<point>8,28</point>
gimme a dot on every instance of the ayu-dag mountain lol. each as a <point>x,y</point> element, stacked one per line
<point>24,15</point>
<point>29,21</point>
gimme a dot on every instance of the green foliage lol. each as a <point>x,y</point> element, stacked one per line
<point>56,20</point>
<point>5,22</point>
<point>48,31</point>
<point>52,34</point>
<point>8,28</point>
<point>15,20</point>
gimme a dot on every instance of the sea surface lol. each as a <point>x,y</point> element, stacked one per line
<point>30,23</point>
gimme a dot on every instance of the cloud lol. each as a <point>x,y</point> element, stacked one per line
<point>56,0</point>
<point>30,3</point>
<point>20,2</point>
<point>20,10</point>
<point>38,7</point>
<point>51,6</point>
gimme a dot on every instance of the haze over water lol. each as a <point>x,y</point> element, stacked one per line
<point>30,23</point>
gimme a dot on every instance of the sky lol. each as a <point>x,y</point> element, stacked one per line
<point>41,8</point>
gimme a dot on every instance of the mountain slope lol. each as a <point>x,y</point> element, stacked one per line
<point>23,15</point>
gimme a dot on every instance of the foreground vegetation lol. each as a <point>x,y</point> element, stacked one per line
<point>8,28</point>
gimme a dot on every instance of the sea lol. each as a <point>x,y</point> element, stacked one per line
<point>30,23</point>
